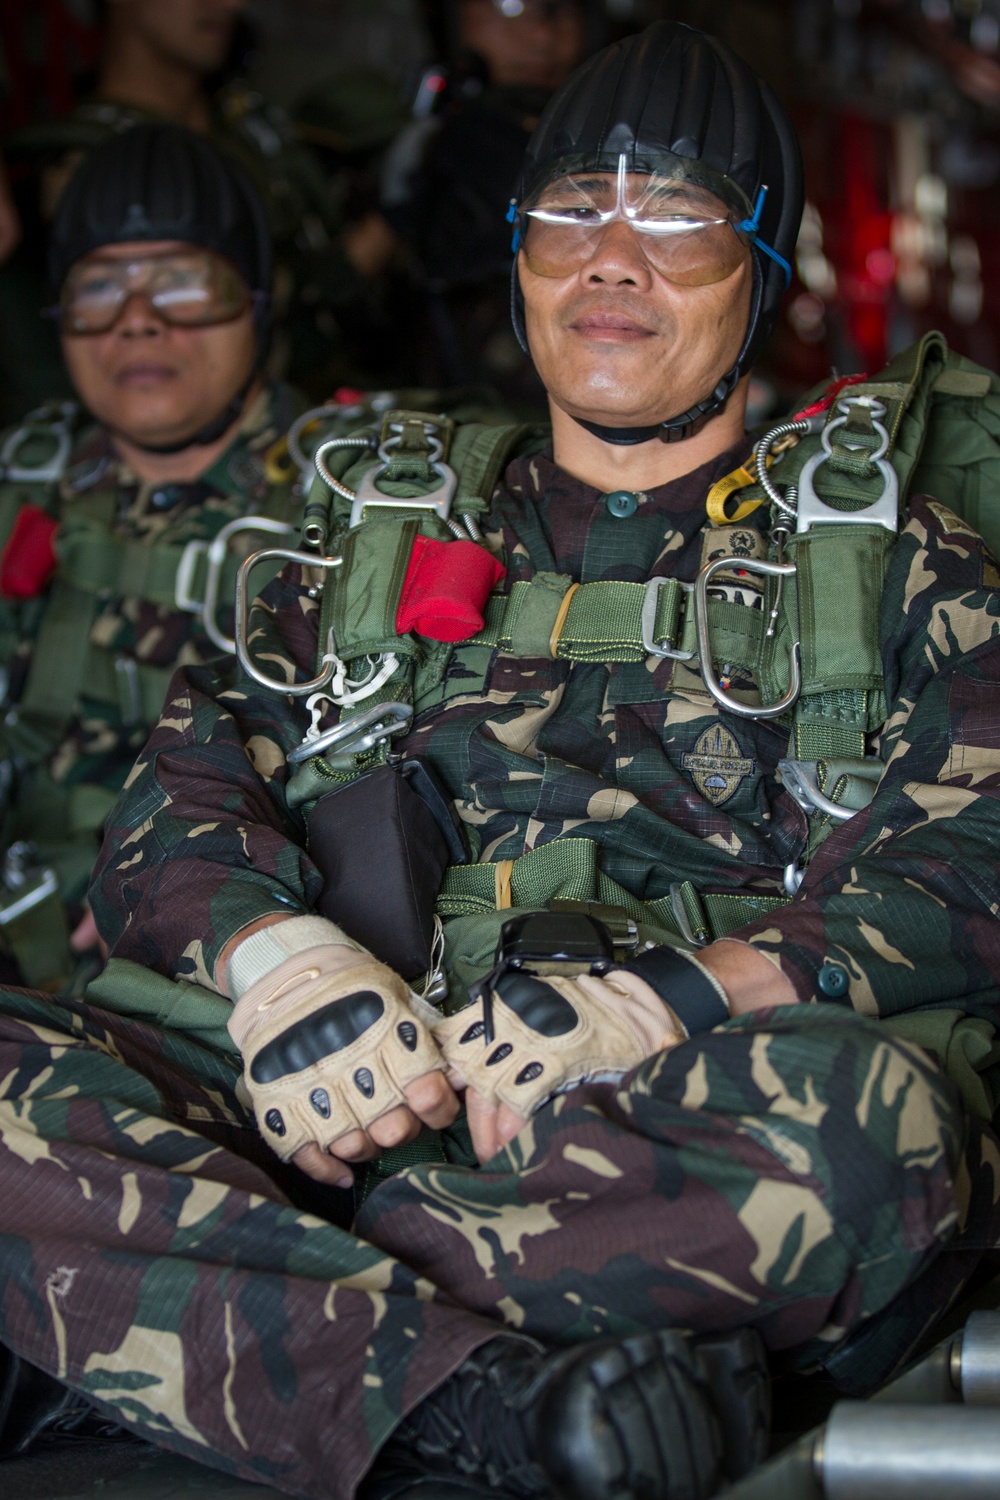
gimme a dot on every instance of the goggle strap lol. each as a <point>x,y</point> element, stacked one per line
<point>782,262</point>
<point>752,226</point>
<point>513,217</point>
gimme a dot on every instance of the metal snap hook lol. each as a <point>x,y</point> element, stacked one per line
<point>703,634</point>
<point>242,642</point>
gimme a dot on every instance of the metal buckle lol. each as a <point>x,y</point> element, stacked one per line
<point>703,632</point>
<point>28,886</point>
<point>800,778</point>
<point>243,599</point>
<point>678,910</point>
<point>130,699</point>
<point>55,467</point>
<point>812,511</point>
<point>363,732</point>
<point>214,553</point>
<point>439,500</point>
<point>648,619</point>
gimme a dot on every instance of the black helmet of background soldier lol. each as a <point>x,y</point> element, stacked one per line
<point>674,100</point>
<point>156,183</point>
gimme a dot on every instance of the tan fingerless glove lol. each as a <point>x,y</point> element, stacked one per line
<point>329,1035</point>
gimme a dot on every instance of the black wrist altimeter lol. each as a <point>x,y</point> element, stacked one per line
<point>543,943</point>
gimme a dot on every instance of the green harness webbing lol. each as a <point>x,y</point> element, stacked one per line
<point>567,869</point>
<point>830,606</point>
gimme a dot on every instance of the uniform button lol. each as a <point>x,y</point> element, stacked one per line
<point>833,980</point>
<point>166,497</point>
<point>622,504</point>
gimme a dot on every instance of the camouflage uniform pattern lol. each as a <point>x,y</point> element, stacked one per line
<point>904,895</point>
<point>800,1169</point>
<point>69,761</point>
<point>793,1170</point>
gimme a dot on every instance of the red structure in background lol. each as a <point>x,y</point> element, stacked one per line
<point>902,154</point>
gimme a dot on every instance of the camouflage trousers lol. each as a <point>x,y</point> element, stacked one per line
<point>795,1170</point>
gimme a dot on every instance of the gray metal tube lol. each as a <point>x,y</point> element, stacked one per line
<point>979,1361</point>
<point>882,1452</point>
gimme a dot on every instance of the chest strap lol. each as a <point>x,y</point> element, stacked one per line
<point>567,870</point>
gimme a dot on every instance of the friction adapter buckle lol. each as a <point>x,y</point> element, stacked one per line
<point>884,511</point>
<point>665,647</point>
<point>368,495</point>
<point>704,636</point>
<point>214,553</point>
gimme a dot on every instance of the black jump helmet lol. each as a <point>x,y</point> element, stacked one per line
<point>672,91</point>
<point>160,181</point>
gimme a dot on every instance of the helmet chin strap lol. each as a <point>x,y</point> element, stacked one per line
<point>210,433</point>
<point>676,429</point>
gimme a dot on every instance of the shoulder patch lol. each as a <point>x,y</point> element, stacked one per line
<point>717,765</point>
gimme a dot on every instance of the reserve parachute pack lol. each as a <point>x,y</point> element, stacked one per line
<point>398,499</point>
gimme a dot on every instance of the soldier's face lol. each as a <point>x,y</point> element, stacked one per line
<point>617,343</point>
<point>194,33</point>
<point>534,43</point>
<point>155,382</point>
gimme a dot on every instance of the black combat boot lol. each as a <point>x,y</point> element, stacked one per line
<point>34,1405</point>
<point>658,1416</point>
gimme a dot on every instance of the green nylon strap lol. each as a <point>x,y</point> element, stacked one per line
<point>480,454</point>
<point>603,622</point>
<point>568,870</point>
<point>59,660</point>
<point>97,562</point>
<point>136,687</point>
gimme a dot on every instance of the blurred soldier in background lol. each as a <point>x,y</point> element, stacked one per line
<point>174,60</point>
<point>450,177</point>
<point>161,260</point>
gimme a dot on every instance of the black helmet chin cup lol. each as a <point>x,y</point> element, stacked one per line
<point>674,91</point>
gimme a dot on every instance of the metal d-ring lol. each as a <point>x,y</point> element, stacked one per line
<point>243,596</point>
<point>704,638</point>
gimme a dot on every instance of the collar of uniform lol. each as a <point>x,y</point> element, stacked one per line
<point>95,461</point>
<point>536,476</point>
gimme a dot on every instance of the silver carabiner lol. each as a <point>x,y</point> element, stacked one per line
<point>214,553</point>
<point>703,635</point>
<point>363,732</point>
<point>243,598</point>
<point>883,511</point>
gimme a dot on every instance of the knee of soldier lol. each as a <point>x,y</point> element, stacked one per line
<point>867,1119</point>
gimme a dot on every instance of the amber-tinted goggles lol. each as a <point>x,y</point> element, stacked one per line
<point>189,288</point>
<point>689,233</point>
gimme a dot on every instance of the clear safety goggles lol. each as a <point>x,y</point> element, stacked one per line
<point>688,231</point>
<point>189,288</point>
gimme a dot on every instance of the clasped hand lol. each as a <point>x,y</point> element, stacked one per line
<point>341,1061</point>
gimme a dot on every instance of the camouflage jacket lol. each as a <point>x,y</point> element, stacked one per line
<point>636,758</point>
<point>88,659</point>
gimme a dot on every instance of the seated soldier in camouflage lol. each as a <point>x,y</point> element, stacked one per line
<point>712,1135</point>
<point>161,261</point>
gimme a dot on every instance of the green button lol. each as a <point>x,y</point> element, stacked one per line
<point>833,980</point>
<point>622,503</point>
